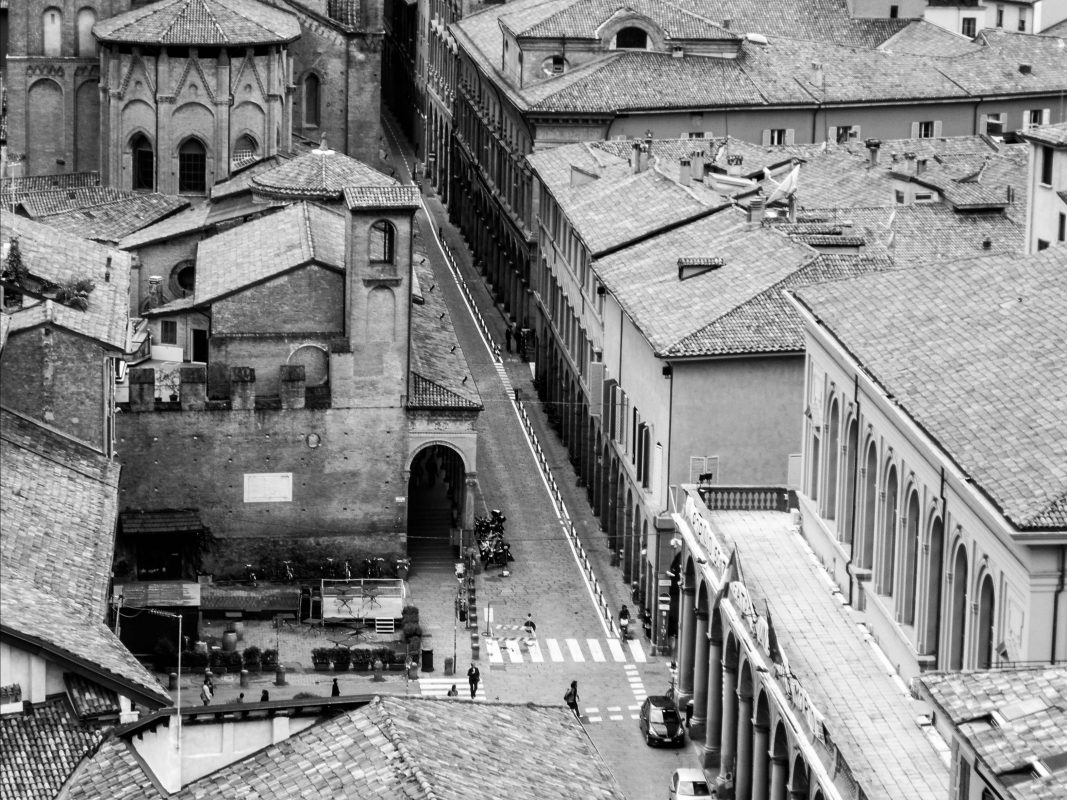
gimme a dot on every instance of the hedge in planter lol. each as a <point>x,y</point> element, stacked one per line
<point>193,661</point>
<point>269,659</point>
<point>361,658</point>
<point>341,658</point>
<point>252,657</point>
<point>320,657</point>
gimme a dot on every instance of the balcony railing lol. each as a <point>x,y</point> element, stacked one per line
<point>747,498</point>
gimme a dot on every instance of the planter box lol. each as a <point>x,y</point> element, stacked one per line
<point>340,668</point>
<point>322,666</point>
<point>361,667</point>
<point>394,667</point>
<point>193,670</point>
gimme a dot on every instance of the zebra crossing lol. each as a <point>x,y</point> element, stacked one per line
<point>520,649</point>
<point>438,687</point>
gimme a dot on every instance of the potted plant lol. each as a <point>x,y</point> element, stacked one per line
<point>341,657</point>
<point>361,659</point>
<point>217,662</point>
<point>252,656</point>
<point>234,661</point>
<point>403,565</point>
<point>269,659</point>
<point>193,661</point>
<point>320,658</point>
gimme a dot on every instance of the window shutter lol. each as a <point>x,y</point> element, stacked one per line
<point>767,138</point>
<point>639,448</point>
<point>711,464</point>
<point>709,134</point>
<point>611,412</point>
<point>1046,116</point>
<point>831,134</point>
<point>790,135</point>
<point>983,124</point>
<point>696,468</point>
<point>915,130</point>
<point>855,132</point>
<point>937,129</point>
<point>657,477</point>
<point>646,457</point>
<point>596,387</point>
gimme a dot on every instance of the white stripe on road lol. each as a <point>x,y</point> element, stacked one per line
<point>493,649</point>
<point>535,653</point>
<point>554,651</point>
<point>594,648</point>
<point>513,651</point>
<point>615,717</point>
<point>576,651</point>
<point>616,650</point>
<point>638,653</point>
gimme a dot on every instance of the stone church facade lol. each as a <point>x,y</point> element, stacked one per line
<point>135,89</point>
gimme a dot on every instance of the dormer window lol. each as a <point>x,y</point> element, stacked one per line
<point>631,39</point>
<point>555,65</point>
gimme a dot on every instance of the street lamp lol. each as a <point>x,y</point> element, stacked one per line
<point>159,613</point>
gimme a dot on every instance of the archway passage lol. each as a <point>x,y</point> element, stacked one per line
<point>436,497</point>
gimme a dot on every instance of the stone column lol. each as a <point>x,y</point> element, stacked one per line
<point>192,388</point>
<point>697,727</point>
<point>142,389</point>
<point>292,385</point>
<point>779,777</point>
<point>687,621</point>
<point>760,745</point>
<point>728,740</point>
<point>743,776</point>
<point>713,715</point>
<point>468,501</point>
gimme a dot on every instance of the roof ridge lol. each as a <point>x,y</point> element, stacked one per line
<point>215,21</point>
<point>396,739</point>
<point>307,228</point>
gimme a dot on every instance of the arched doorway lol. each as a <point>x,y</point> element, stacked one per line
<point>934,570</point>
<point>627,537</point>
<point>743,773</point>
<point>959,609</point>
<point>779,764</point>
<point>986,623</point>
<point>799,783</point>
<point>437,499</point>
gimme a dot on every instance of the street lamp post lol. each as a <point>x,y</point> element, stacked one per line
<point>159,613</point>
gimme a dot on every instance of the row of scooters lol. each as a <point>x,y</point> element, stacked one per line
<point>493,548</point>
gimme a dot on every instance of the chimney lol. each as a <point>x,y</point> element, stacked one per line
<point>242,388</point>
<point>726,23</point>
<point>697,160</point>
<point>192,392</point>
<point>755,210</point>
<point>646,150</point>
<point>292,381</point>
<point>635,157</point>
<point>792,208</point>
<point>685,172</point>
<point>920,166</point>
<point>155,291</point>
<point>817,74</point>
<point>987,244</point>
<point>142,389</point>
<point>1025,69</point>
<point>873,146</point>
<point>733,165</point>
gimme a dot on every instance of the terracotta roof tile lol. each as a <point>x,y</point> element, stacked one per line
<point>943,341</point>
<point>203,22</point>
<point>296,235</point>
<point>41,749</point>
<point>1055,135</point>
<point>90,699</point>
<point>114,773</point>
<point>583,19</point>
<point>922,38</point>
<point>381,197</point>
<point>199,217</point>
<point>111,222</point>
<point>1031,725</point>
<point>55,201</point>
<point>320,174</point>
<point>58,513</point>
<point>12,190</point>
<point>59,258</point>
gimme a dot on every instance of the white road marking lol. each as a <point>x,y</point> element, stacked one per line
<point>594,648</point>
<point>554,651</point>
<point>513,651</point>
<point>535,653</point>
<point>614,708</point>
<point>615,717</point>
<point>638,653</point>
<point>493,649</point>
<point>595,719</point>
<point>616,650</point>
<point>576,651</point>
<point>592,710</point>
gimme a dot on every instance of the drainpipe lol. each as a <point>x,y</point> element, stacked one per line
<point>1056,602</point>
<point>855,477</point>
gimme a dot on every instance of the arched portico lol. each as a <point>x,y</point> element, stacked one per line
<point>440,498</point>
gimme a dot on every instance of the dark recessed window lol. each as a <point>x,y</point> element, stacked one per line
<point>168,332</point>
<point>183,278</point>
<point>311,100</point>
<point>192,168</point>
<point>144,164</point>
<point>631,39</point>
<point>969,27</point>
<point>245,146</point>
<point>382,239</point>
<point>1047,154</point>
<point>894,12</point>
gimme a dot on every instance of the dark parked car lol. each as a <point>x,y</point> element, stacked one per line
<point>660,722</point>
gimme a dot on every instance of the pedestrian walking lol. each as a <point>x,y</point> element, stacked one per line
<point>507,338</point>
<point>265,697</point>
<point>336,691</point>
<point>205,692</point>
<point>474,675</point>
<point>571,699</point>
<point>453,692</point>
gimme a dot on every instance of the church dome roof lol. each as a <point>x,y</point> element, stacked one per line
<point>321,174</point>
<point>211,23</point>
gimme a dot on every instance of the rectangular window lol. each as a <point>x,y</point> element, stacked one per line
<point>1041,245</point>
<point>894,12</point>
<point>994,125</point>
<point>192,167</point>
<point>777,136</point>
<point>969,27</point>
<point>900,197</point>
<point>1000,16</point>
<point>926,130</point>
<point>924,197</point>
<point>695,135</point>
<point>168,333</point>
<point>1022,21</point>
<point>845,133</point>
<point>1046,165</point>
<point>1062,234</point>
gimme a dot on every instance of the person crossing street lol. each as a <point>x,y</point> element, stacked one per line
<point>474,675</point>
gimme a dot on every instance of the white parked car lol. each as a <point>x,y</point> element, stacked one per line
<point>689,783</point>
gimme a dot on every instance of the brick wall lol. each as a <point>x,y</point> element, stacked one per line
<point>263,353</point>
<point>344,490</point>
<point>57,378</point>
<point>307,299</point>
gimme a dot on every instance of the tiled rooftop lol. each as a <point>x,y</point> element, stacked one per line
<point>113,221</point>
<point>194,219</point>
<point>1055,135</point>
<point>321,174</point>
<point>1031,720</point>
<point>90,699</point>
<point>203,22</point>
<point>381,197</point>
<point>298,234</point>
<point>12,190</point>
<point>58,513</point>
<point>584,18</point>
<point>922,38</point>
<point>441,377</point>
<point>403,747</point>
<point>943,342</point>
<point>55,201</point>
<point>59,257</point>
<point>41,749</point>
<point>869,718</point>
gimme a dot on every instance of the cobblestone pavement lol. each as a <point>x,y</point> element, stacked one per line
<point>545,580</point>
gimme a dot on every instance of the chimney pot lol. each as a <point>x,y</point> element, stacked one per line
<point>755,210</point>
<point>873,146</point>
<point>645,153</point>
<point>920,166</point>
<point>635,157</point>
<point>685,172</point>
